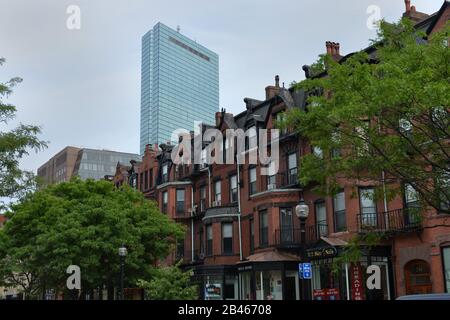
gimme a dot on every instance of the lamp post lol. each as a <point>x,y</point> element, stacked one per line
<point>302,212</point>
<point>122,254</point>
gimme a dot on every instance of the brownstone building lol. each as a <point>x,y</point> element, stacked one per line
<point>244,240</point>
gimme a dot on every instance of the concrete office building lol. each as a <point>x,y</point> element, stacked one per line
<point>179,84</point>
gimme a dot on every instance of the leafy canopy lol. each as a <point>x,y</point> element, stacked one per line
<point>83,223</point>
<point>14,145</point>
<point>384,113</point>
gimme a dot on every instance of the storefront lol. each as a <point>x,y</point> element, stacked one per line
<point>216,282</point>
<point>332,280</point>
<point>269,275</point>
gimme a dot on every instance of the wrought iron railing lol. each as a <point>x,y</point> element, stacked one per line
<point>400,220</point>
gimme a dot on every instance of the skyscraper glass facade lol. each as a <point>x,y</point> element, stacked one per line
<point>179,85</point>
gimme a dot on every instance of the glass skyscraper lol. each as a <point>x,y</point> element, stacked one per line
<point>179,84</point>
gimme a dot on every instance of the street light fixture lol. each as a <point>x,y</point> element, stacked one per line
<point>302,212</point>
<point>122,254</point>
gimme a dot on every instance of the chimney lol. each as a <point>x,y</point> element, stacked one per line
<point>337,48</point>
<point>272,91</point>
<point>219,116</point>
<point>408,6</point>
<point>329,47</point>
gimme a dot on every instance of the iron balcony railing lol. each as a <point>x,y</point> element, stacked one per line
<point>400,220</point>
<point>292,237</point>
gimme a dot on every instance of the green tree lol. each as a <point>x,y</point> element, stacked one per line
<point>83,223</point>
<point>169,283</point>
<point>381,115</point>
<point>14,145</point>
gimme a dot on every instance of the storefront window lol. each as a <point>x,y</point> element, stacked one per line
<point>213,288</point>
<point>246,286</point>
<point>446,258</point>
<point>269,285</point>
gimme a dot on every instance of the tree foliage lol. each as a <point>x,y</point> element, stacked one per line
<point>169,283</point>
<point>14,145</point>
<point>382,118</point>
<point>83,223</point>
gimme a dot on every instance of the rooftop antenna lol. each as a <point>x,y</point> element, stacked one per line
<point>178,29</point>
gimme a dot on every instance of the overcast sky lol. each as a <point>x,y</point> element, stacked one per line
<point>83,86</point>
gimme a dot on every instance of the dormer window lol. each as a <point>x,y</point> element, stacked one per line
<point>252,138</point>
<point>165,176</point>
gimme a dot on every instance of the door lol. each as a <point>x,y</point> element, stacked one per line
<point>417,277</point>
<point>290,289</point>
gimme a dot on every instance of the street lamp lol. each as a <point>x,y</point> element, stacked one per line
<point>122,254</point>
<point>302,212</point>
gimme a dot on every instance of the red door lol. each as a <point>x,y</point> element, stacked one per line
<point>417,277</point>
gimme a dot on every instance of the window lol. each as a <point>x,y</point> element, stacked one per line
<point>150,178</point>
<point>292,167</point>
<point>141,181</point>
<point>368,207</point>
<point>252,138</point>
<point>336,140</point>
<point>446,264</point>
<point>209,240</point>
<point>252,235</point>
<point>287,225</point>
<point>218,193</point>
<point>443,188</point>
<point>227,238</point>
<point>145,180</point>
<point>271,178</point>
<point>340,223</point>
<point>412,204</point>
<point>280,120</point>
<point>165,201</point>
<point>318,152</point>
<point>321,218</point>
<point>202,198</point>
<point>263,229</point>
<point>233,189</point>
<point>204,160</point>
<point>405,127</point>
<point>165,176</point>
<point>180,205</point>
<point>362,147</point>
<point>180,249</point>
<point>252,180</point>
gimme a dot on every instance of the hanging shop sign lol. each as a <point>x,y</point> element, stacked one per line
<point>357,282</point>
<point>322,253</point>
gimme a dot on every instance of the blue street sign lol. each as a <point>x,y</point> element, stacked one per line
<point>306,271</point>
<point>300,270</point>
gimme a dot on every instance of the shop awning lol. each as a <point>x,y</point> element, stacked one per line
<point>271,256</point>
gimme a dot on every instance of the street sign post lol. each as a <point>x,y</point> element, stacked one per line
<point>305,271</point>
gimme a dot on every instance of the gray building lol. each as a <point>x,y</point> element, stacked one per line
<point>85,163</point>
<point>179,85</point>
<point>96,164</point>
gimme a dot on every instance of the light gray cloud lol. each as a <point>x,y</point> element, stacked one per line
<point>83,86</point>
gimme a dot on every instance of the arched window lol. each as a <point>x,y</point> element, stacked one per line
<point>417,277</point>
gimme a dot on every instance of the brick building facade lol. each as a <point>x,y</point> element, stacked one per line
<point>244,240</point>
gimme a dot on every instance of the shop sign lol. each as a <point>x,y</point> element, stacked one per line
<point>357,282</point>
<point>326,294</point>
<point>213,290</point>
<point>322,253</point>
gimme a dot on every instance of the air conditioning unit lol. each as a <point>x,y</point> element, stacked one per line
<point>271,186</point>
